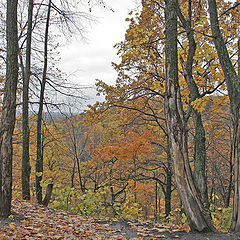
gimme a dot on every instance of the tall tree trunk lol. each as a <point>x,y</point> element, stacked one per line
<point>26,169</point>
<point>230,184</point>
<point>233,86</point>
<point>198,218</point>
<point>80,175</point>
<point>235,227</point>
<point>134,178</point>
<point>156,202</point>
<point>168,192</point>
<point>200,155</point>
<point>8,112</point>
<point>39,161</point>
<point>73,173</point>
<point>77,160</point>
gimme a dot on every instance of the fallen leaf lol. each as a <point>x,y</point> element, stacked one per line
<point>12,225</point>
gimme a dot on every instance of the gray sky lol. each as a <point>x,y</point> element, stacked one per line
<point>92,60</point>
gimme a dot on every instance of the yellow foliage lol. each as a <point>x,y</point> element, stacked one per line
<point>200,103</point>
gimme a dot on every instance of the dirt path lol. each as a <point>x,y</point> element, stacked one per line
<point>31,221</point>
<point>147,231</point>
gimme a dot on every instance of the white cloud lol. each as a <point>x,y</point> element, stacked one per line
<point>93,60</point>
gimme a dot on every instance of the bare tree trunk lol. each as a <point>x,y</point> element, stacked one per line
<point>233,86</point>
<point>26,169</point>
<point>48,194</point>
<point>134,179</point>
<point>199,137</point>
<point>230,184</point>
<point>8,112</point>
<point>168,192</point>
<point>73,173</point>
<point>80,175</point>
<point>39,161</point>
<point>236,199</point>
<point>156,202</point>
<point>198,218</point>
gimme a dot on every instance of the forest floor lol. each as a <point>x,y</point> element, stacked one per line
<point>31,221</point>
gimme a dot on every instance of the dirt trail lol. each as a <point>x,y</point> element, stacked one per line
<point>31,221</point>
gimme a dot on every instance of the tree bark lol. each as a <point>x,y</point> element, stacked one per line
<point>73,173</point>
<point>198,218</point>
<point>8,112</point>
<point>39,161</point>
<point>168,192</point>
<point>26,169</point>
<point>230,184</point>
<point>80,175</point>
<point>200,155</point>
<point>48,194</point>
<point>233,86</point>
<point>156,201</point>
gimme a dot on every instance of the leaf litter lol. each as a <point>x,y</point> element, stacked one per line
<point>31,221</point>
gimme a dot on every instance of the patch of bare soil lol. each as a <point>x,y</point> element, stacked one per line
<point>149,231</point>
<point>14,218</point>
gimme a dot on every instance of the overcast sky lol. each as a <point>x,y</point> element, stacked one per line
<point>92,60</point>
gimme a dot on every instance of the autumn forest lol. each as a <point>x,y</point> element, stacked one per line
<point>162,147</point>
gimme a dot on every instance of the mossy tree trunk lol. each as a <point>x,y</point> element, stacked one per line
<point>233,86</point>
